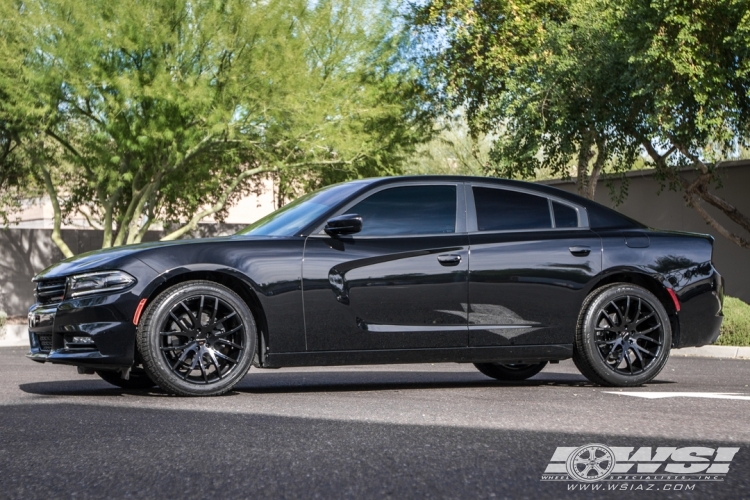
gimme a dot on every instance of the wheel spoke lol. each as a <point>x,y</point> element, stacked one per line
<point>229,343</point>
<point>604,314</point>
<point>228,332</point>
<point>200,365</point>
<point>172,348</point>
<point>617,311</point>
<point>644,351</point>
<point>181,359</point>
<point>212,355</point>
<point>649,330</point>
<point>200,311</point>
<point>179,322</point>
<point>176,334</point>
<point>224,357</point>
<point>627,309</point>
<point>647,338</point>
<point>637,355</point>
<point>190,313</point>
<point>228,316</point>
<point>648,316</point>
<point>216,309</point>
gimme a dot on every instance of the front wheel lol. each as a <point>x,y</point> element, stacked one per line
<point>623,336</point>
<point>508,372</point>
<point>197,339</point>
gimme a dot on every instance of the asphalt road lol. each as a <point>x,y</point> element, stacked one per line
<point>402,431</point>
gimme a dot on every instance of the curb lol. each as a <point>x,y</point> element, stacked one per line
<point>14,336</point>
<point>713,351</point>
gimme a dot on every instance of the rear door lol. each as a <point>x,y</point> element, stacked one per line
<point>532,257</point>
<point>401,283</point>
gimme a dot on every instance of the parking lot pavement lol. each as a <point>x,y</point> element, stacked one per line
<point>400,431</point>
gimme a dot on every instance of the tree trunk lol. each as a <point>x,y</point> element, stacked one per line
<point>585,153</point>
<point>57,220</point>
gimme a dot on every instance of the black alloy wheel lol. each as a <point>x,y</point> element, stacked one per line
<point>197,339</point>
<point>510,372</point>
<point>623,336</point>
<point>137,381</point>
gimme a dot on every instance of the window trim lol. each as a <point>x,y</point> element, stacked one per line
<point>473,225</point>
<point>461,210</point>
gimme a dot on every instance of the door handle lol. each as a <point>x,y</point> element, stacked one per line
<point>449,259</point>
<point>580,251</point>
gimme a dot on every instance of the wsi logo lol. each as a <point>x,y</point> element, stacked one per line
<point>598,462</point>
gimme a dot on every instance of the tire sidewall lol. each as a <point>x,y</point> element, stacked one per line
<point>588,336</point>
<point>149,339</point>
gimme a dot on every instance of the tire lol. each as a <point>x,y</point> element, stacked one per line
<point>606,349</point>
<point>197,339</point>
<point>507,372</point>
<point>138,380</point>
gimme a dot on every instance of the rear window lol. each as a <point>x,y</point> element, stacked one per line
<point>505,210</point>
<point>565,216</point>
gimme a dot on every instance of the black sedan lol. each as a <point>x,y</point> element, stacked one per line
<point>503,274</point>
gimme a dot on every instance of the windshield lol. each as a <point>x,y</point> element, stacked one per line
<point>290,219</point>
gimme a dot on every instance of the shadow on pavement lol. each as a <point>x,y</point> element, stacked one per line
<point>94,451</point>
<point>279,382</point>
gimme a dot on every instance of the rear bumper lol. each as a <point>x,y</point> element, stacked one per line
<point>701,311</point>
<point>107,320</point>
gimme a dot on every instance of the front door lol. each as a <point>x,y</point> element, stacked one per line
<point>400,283</point>
<point>532,258</point>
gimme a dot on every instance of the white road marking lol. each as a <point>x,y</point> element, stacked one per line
<point>661,395</point>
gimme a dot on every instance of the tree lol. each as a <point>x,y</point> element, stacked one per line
<point>170,111</point>
<point>689,67</point>
<point>599,84</point>
<point>523,71</point>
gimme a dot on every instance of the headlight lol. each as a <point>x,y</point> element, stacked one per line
<point>105,281</point>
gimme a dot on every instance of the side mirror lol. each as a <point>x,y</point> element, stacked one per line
<point>343,224</point>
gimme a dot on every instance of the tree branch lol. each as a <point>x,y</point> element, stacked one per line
<point>715,224</point>
<point>220,203</point>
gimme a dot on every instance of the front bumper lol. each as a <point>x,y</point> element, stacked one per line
<point>105,319</point>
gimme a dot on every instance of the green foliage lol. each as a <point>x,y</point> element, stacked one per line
<point>735,329</point>
<point>530,72</point>
<point>171,111</point>
<point>591,85</point>
<point>3,318</point>
<point>453,151</point>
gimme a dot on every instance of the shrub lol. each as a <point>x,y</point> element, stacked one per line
<point>735,329</point>
<point>3,318</point>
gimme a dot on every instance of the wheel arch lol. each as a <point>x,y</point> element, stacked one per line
<point>651,284</point>
<point>229,278</point>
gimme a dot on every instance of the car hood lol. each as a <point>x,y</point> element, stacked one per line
<point>113,258</point>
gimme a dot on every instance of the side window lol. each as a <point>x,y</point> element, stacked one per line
<point>408,210</point>
<point>565,216</point>
<point>505,210</point>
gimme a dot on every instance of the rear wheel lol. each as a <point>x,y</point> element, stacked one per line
<point>623,336</point>
<point>508,372</point>
<point>197,339</point>
<point>138,379</point>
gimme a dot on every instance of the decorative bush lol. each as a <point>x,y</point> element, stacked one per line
<point>735,329</point>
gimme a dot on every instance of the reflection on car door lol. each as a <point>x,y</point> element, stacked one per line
<point>531,259</point>
<point>402,282</point>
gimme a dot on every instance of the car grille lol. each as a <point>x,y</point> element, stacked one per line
<point>49,291</point>
<point>45,341</point>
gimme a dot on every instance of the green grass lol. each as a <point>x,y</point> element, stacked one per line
<point>735,329</point>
